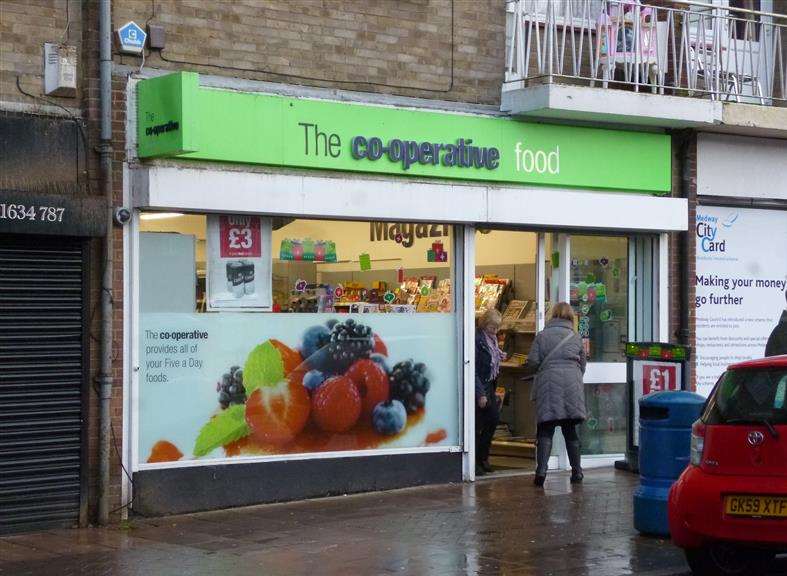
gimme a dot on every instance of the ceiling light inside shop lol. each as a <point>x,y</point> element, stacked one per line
<point>159,215</point>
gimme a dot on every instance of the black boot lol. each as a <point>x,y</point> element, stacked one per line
<point>543,452</point>
<point>575,459</point>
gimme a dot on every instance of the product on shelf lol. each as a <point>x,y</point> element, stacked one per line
<point>489,292</point>
<point>314,298</point>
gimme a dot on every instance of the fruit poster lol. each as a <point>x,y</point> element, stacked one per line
<point>239,264</point>
<point>250,385</point>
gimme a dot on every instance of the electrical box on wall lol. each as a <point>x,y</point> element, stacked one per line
<point>60,70</point>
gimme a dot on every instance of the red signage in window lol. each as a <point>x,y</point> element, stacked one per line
<point>659,377</point>
<point>240,236</point>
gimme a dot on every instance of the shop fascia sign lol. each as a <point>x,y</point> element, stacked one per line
<point>179,118</point>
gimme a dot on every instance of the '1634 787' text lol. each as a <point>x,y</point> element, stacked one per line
<point>32,213</point>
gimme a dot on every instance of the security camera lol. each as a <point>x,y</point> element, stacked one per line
<point>122,216</point>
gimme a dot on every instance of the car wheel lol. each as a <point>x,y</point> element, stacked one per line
<point>723,559</point>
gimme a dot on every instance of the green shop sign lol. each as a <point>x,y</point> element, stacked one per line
<point>179,118</point>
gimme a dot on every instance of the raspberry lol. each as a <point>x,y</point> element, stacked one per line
<point>409,384</point>
<point>231,389</point>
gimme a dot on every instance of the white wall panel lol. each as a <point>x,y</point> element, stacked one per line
<point>326,196</point>
<point>739,166</point>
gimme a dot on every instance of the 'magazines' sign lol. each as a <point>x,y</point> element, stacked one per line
<point>179,118</point>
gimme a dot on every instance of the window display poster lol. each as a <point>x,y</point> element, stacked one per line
<point>239,262</point>
<point>235,385</point>
<point>741,276</point>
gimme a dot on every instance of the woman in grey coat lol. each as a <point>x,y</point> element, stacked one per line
<point>558,359</point>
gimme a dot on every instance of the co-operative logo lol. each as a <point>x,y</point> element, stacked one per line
<point>707,230</point>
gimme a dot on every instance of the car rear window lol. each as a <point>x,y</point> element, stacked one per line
<point>743,396</point>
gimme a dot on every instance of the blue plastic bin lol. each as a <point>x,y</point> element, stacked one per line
<point>665,420</point>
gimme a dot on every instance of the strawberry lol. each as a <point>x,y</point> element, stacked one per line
<point>291,359</point>
<point>336,404</point>
<point>277,414</point>
<point>379,346</point>
<point>372,383</point>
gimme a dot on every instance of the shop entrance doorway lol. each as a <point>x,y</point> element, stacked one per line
<point>614,285</point>
<point>507,273</point>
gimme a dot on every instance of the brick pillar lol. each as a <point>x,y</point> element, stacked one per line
<point>684,151</point>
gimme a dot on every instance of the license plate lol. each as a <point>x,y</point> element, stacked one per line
<point>756,506</point>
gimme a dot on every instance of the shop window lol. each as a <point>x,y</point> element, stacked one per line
<point>599,295</point>
<point>271,336</point>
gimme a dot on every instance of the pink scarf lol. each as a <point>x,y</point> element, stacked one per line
<point>495,353</point>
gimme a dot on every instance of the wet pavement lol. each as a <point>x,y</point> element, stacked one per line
<point>499,526</point>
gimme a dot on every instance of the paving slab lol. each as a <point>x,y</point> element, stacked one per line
<point>496,526</point>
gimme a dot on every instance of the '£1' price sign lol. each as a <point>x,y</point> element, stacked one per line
<point>659,378</point>
<point>240,236</point>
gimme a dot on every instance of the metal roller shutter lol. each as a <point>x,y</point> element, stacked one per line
<point>41,375</point>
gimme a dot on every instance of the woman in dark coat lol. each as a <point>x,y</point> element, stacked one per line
<point>558,359</point>
<point>487,366</point>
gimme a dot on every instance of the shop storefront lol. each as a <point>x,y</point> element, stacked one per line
<point>304,277</point>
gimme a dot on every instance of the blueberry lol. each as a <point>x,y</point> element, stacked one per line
<point>313,379</point>
<point>382,361</point>
<point>314,339</point>
<point>331,323</point>
<point>389,417</point>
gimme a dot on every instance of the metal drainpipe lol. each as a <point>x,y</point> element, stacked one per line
<point>105,153</point>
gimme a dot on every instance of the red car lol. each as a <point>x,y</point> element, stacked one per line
<point>728,510</point>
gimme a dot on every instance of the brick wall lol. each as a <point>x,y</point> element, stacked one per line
<point>25,25</point>
<point>24,28</point>
<point>689,156</point>
<point>91,98</point>
<point>407,47</point>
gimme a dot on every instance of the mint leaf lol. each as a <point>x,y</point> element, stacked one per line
<point>225,427</point>
<point>264,367</point>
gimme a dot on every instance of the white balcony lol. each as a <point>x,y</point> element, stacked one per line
<point>628,62</point>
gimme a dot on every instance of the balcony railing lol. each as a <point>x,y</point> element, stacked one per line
<point>694,49</point>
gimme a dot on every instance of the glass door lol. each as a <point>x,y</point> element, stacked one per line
<point>612,284</point>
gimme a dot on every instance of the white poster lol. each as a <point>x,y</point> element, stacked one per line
<point>741,277</point>
<point>652,376</point>
<point>239,262</point>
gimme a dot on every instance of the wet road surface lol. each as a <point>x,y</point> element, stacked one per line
<point>493,527</point>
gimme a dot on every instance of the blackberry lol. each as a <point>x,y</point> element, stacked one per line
<point>349,342</point>
<point>409,384</point>
<point>231,389</point>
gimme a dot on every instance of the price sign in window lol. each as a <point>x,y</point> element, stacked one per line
<point>240,236</point>
<point>239,262</point>
<point>659,378</point>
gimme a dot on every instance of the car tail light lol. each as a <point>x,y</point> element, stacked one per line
<point>697,442</point>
